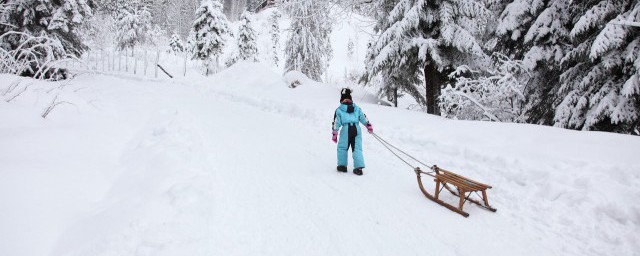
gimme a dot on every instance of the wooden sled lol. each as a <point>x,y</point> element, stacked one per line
<point>464,188</point>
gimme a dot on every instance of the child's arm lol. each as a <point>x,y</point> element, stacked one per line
<point>363,118</point>
<point>365,121</point>
<point>337,123</point>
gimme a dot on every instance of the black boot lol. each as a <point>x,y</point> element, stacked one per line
<point>342,168</point>
<point>357,171</point>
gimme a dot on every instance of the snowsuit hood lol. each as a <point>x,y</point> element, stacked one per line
<point>348,107</point>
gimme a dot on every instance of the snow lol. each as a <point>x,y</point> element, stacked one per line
<point>239,164</point>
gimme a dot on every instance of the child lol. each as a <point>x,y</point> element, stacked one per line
<point>347,117</point>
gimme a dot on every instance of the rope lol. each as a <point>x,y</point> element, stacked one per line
<point>394,153</point>
<point>388,145</point>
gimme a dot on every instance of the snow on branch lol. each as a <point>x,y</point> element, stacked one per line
<point>496,94</point>
<point>35,55</point>
<point>594,17</point>
<point>626,23</point>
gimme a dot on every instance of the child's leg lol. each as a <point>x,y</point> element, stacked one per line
<point>343,146</point>
<point>358,159</point>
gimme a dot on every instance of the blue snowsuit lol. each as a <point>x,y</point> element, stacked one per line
<point>347,117</point>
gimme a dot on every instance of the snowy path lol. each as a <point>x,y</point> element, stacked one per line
<point>236,165</point>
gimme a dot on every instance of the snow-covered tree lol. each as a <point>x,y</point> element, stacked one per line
<point>175,44</point>
<point>274,31</point>
<point>99,31</point>
<point>387,85</point>
<point>308,48</point>
<point>247,46</point>
<point>423,40</point>
<point>58,20</point>
<point>600,89</point>
<point>35,34</point>
<point>157,36</point>
<point>180,16</point>
<point>133,22</point>
<point>208,33</point>
<point>495,95</point>
<point>538,33</point>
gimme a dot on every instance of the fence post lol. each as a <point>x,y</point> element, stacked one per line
<point>135,62</point>
<point>184,70</point>
<point>145,62</point>
<point>119,61</point>
<point>102,59</point>
<point>156,64</point>
<point>126,61</point>
<point>217,63</point>
<point>113,59</point>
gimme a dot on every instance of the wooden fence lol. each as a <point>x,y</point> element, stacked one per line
<point>142,62</point>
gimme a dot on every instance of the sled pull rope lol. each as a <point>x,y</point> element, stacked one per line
<point>389,146</point>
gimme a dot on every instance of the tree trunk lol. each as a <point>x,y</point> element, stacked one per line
<point>433,82</point>
<point>395,96</point>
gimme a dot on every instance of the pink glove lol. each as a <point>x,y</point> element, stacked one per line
<point>369,128</point>
<point>335,136</point>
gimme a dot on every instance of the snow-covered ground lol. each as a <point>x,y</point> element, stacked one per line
<point>240,164</point>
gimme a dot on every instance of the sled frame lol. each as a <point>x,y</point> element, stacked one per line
<point>464,189</point>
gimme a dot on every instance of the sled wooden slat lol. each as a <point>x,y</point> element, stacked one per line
<point>464,188</point>
<point>457,181</point>
<point>463,178</point>
<point>460,181</point>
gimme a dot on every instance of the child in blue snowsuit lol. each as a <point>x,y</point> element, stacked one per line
<point>347,117</point>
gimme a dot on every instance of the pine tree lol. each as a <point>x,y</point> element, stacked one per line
<point>538,33</point>
<point>58,20</point>
<point>308,48</point>
<point>247,46</point>
<point>387,85</point>
<point>208,33</point>
<point>424,40</point>
<point>134,23</point>
<point>274,31</point>
<point>175,44</point>
<point>600,88</point>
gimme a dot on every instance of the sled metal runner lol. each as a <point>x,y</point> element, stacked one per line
<point>464,189</point>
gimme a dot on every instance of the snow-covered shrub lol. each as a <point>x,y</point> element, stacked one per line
<point>175,44</point>
<point>232,59</point>
<point>295,78</point>
<point>496,94</point>
<point>35,57</point>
